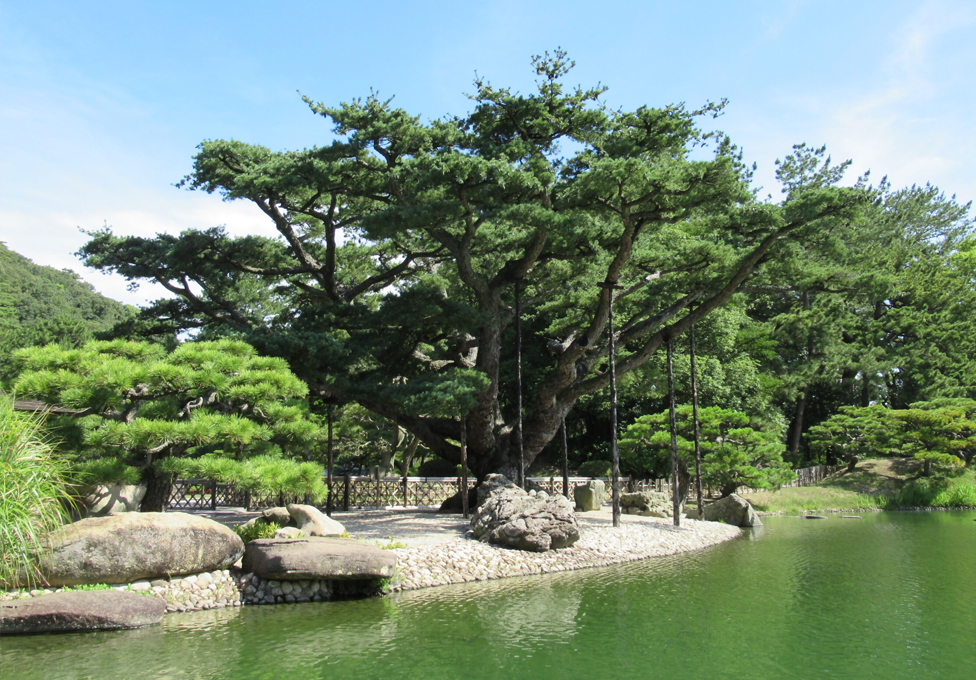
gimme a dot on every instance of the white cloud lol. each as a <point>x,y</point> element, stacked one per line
<point>907,115</point>
<point>910,126</point>
<point>50,237</point>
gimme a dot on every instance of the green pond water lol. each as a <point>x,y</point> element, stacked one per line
<point>888,596</point>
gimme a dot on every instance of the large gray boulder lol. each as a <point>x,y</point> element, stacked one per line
<point>532,521</point>
<point>734,510</point>
<point>137,545</point>
<point>311,522</point>
<point>590,496</point>
<point>112,499</point>
<point>89,610</point>
<point>297,559</point>
<point>646,504</point>
<point>493,483</point>
<point>279,516</point>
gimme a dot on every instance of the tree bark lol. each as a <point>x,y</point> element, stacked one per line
<point>729,489</point>
<point>158,489</point>
<point>801,407</point>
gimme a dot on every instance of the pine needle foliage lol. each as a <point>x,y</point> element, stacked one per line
<point>735,452</point>
<point>143,411</point>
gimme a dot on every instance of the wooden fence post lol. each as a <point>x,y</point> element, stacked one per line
<point>213,494</point>
<point>345,495</point>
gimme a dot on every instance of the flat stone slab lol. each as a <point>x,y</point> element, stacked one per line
<point>297,559</point>
<point>75,611</point>
<point>815,517</point>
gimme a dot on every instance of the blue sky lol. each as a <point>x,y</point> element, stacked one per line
<point>103,103</point>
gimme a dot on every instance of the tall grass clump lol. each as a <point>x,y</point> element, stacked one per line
<point>34,493</point>
<point>936,493</point>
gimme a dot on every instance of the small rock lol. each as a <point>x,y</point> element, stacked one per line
<point>288,532</point>
<point>314,523</point>
<point>590,496</point>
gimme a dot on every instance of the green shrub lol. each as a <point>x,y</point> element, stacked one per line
<point>596,468</point>
<point>34,493</point>
<point>437,467</point>
<point>250,532</point>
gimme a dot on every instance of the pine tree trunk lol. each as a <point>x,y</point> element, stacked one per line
<point>728,489</point>
<point>801,407</point>
<point>158,490</point>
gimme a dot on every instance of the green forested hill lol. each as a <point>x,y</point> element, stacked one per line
<point>40,304</point>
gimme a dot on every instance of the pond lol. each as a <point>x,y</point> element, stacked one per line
<point>887,596</point>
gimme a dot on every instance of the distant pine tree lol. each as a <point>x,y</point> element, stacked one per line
<point>41,305</point>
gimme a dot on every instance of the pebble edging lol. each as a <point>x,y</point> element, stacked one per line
<point>219,589</point>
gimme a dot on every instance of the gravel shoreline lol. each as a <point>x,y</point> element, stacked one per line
<point>438,554</point>
<point>464,559</point>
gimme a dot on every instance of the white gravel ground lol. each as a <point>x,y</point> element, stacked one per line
<point>463,559</point>
<point>439,550</point>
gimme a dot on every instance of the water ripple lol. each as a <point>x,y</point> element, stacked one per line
<point>886,597</point>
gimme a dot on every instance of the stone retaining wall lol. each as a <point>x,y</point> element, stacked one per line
<point>227,588</point>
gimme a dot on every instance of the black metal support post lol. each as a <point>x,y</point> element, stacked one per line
<point>565,461</point>
<point>518,365</point>
<point>615,483</point>
<point>464,467</point>
<point>694,415</point>
<point>675,491</point>
<point>328,474</point>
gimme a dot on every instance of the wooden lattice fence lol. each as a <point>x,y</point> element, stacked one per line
<point>369,492</point>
